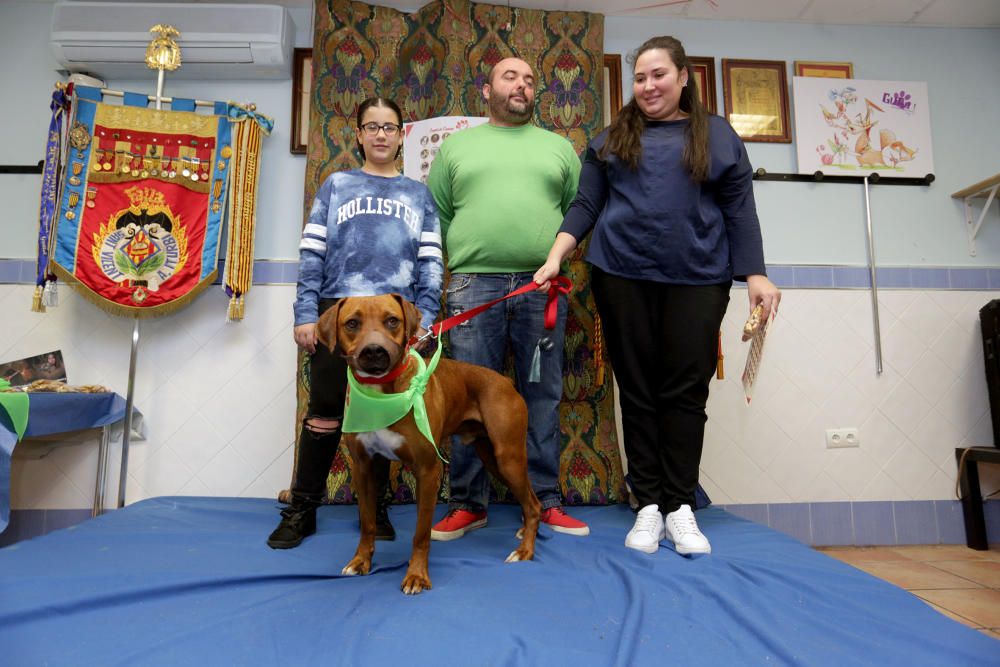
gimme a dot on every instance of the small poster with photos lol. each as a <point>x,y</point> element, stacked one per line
<point>48,366</point>
<point>423,138</point>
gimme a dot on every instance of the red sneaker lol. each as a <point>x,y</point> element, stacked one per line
<point>561,522</point>
<point>456,523</point>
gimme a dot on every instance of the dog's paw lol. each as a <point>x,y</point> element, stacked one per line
<point>415,583</point>
<point>356,567</point>
<point>522,553</point>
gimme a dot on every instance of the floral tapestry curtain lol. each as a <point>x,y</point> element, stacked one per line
<point>433,63</point>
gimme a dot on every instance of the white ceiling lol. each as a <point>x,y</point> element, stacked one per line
<point>923,13</point>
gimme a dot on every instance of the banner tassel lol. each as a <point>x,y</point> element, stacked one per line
<point>231,311</point>
<point>36,300</point>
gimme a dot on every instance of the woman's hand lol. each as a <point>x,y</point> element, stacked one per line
<point>305,337</point>
<point>561,248</point>
<point>763,291</point>
<point>544,275</point>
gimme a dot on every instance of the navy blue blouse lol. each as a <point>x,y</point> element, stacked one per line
<point>657,223</point>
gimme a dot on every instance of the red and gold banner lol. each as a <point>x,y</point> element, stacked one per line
<point>141,211</point>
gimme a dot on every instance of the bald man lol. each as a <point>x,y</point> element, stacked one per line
<point>501,189</point>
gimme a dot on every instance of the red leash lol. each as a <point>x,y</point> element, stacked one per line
<point>560,285</point>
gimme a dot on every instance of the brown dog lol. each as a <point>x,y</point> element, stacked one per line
<point>478,404</point>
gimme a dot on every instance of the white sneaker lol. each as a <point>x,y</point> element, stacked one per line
<point>682,529</point>
<point>647,531</point>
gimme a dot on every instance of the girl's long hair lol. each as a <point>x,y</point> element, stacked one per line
<point>627,128</point>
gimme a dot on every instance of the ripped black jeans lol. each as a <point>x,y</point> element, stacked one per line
<point>318,444</point>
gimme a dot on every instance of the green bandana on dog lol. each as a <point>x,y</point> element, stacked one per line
<point>368,409</point>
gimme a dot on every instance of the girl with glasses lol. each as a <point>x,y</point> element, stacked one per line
<point>371,231</point>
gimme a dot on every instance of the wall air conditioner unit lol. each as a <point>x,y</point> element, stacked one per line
<point>217,41</point>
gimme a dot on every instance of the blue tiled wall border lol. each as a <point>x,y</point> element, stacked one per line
<point>265,272</point>
<point>884,523</point>
<point>786,276</point>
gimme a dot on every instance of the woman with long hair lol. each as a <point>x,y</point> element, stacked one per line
<point>667,194</point>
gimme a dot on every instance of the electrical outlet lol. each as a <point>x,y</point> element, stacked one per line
<point>838,438</point>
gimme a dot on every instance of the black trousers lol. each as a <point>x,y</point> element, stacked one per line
<point>663,344</point>
<point>327,391</point>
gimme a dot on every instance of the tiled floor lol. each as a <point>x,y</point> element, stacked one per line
<point>959,582</point>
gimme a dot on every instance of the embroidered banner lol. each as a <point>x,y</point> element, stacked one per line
<point>140,214</point>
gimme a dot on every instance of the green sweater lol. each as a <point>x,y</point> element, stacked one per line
<point>501,194</point>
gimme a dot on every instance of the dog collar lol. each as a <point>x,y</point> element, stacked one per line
<point>367,409</point>
<point>388,377</point>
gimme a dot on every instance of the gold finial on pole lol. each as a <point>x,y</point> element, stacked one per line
<point>163,52</point>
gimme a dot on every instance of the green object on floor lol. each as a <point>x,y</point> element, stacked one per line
<point>15,404</point>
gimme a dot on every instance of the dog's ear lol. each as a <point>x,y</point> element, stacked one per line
<point>411,316</point>
<point>326,328</point>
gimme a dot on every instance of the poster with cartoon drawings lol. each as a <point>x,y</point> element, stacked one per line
<point>422,139</point>
<point>854,126</point>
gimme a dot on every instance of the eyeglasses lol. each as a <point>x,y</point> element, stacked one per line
<point>371,129</point>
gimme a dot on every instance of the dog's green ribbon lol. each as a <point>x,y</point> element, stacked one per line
<point>367,409</point>
<point>15,404</point>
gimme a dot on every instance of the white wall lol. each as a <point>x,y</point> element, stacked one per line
<point>219,399</point>
<point>805,223</point>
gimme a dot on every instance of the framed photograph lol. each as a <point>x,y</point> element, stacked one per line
<point>301,94</point>
<point>612,86</point>
<point>703,72</point>
<point>755,93</point>
<point>824,70</point>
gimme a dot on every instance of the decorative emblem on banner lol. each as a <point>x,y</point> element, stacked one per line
<point>79,136</point>
<point>144,244</point>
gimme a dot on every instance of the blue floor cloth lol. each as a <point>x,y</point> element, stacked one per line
<point>181,581</point>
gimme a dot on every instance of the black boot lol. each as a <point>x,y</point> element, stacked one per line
<point>298,521</point>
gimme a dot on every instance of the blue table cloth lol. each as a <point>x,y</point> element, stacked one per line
<point>50,413</point>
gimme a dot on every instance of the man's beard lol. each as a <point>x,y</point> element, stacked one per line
<point>506,111</point>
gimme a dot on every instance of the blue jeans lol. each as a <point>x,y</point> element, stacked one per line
<point>484,340</point>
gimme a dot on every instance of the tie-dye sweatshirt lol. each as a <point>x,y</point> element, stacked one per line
<point>370,235</point>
